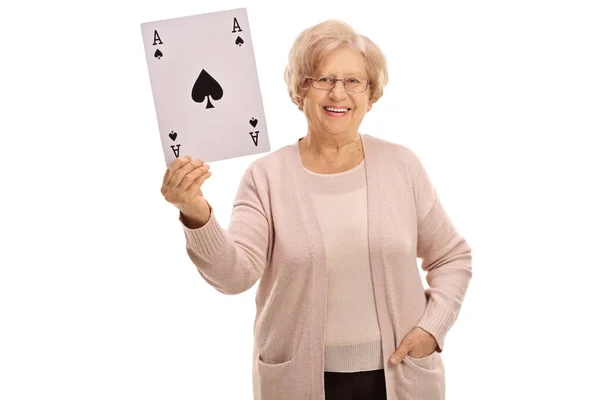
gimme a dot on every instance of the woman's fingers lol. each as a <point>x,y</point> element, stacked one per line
<point>181,169</point>
<point>173,167</point>
<point>180,174</point>
<point>192,176</point>
<point>176,174</point>
<point>195,186</point>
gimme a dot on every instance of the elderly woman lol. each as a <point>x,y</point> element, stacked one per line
<point>332,225</point>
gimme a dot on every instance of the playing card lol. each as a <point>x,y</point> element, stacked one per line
<point>205,86</point>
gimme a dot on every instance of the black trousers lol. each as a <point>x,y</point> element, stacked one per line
<point>362,385</point>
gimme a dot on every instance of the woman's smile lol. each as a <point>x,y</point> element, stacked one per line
<point>336,112</point>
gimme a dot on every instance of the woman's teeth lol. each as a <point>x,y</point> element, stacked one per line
<point>337,110</point>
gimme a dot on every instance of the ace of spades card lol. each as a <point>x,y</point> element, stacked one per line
<point>205,86</point>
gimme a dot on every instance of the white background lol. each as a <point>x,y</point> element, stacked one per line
<point>98,299</point>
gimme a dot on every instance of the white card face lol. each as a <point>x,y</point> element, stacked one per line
<point>205,86</point>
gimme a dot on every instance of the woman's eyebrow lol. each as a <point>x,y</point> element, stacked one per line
<point>346,74</point>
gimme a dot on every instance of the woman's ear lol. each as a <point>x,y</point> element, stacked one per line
<point>370,105</point>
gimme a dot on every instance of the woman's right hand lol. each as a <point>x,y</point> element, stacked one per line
<point>181,187</point>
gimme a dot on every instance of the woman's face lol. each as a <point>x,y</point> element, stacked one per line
<point>342,63</point>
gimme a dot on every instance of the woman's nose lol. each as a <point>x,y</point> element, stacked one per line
<point>338,91</point>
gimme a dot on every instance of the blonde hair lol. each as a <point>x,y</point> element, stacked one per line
<point>314,43</point>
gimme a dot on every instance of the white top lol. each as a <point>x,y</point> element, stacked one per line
<point>352,335</point>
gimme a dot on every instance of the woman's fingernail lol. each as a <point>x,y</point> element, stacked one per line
<point>394,360</point>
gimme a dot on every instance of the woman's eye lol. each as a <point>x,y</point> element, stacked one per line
<point>324,79</point>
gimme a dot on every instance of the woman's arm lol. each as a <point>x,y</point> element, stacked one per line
<point>445,254</point>
<point>232,260</point>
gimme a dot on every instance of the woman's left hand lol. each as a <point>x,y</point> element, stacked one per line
<point>418,344</point>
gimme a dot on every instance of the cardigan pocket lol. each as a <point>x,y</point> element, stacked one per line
<point>422,378</point>
<point>285,380</point>
<point>280,381</point>
<point>423,362</point>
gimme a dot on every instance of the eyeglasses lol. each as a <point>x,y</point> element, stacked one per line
<point>352,84</point>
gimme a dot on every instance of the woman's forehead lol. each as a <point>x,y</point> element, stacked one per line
<point>340,73</point>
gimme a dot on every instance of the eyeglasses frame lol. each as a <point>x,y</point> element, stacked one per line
<point>335,83</point>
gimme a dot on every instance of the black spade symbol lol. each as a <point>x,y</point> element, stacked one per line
<point>158,54</point>
<point>173,135</point>
<point>253,122</point>
<point>206,86</point>
<point>239,41</point>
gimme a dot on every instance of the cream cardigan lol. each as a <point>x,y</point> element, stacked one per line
<point>274,236</point>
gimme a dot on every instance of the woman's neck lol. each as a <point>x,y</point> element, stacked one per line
<point>332,153</point>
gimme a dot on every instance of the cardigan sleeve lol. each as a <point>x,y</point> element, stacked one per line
<point>232,260</point>
<point>445,255</point>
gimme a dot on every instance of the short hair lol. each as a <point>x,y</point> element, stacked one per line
<point>313,45</point>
